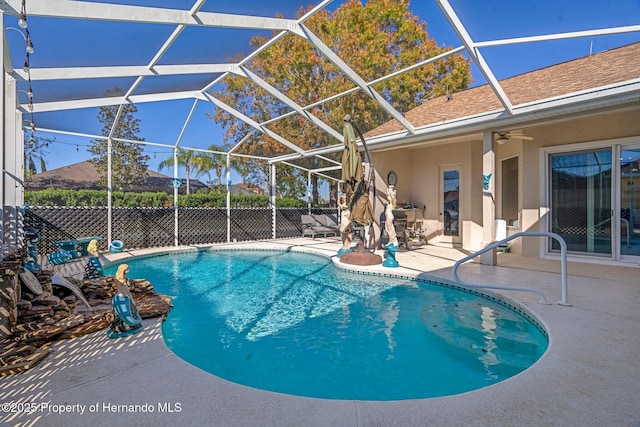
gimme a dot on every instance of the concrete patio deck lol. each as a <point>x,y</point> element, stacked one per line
<point>590,375</point>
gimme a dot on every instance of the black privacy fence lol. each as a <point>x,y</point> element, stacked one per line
<point>140,228</point>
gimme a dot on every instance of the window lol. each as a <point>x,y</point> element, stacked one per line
<point>510,192</point>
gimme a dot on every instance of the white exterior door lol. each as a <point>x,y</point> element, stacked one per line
<point>449,230</point>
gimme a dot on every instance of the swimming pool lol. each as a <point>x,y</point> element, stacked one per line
<point>294,323</point>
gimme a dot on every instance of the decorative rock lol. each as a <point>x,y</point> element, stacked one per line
<point>28,322</point>
<point>70,299</point>
<point>95,321</point>
<point>32,326</point>
<point>35,312</point>
<point>61,306</point>
<point>24,305</point>
<point>9,296</point>
<point>153,305</point>
<point>52,330</point>
<point>20,364</point>
<point>50,300</point>
<point>31,282</point>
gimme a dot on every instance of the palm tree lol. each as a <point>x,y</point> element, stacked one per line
<point>205,162</point>
<point>185,158</point>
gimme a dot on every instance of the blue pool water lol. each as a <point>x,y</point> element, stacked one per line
<point>294,323</point>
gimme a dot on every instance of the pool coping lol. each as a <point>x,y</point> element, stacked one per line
<point>586,377</point>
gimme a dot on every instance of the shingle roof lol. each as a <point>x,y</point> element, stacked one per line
<point>604,68</point>
<point>84,175</point>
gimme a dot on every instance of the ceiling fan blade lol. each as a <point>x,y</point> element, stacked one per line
<point>523,137</point>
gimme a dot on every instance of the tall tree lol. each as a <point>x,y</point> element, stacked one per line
<point>376,39</point>
<point>129,163</point>
<point>35,150</point>
<point>206,162</point>
<point>185,158</point>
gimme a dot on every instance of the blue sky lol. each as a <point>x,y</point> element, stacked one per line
<point>92,42</point>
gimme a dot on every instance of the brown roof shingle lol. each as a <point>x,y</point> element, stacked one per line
<point>604,68</point>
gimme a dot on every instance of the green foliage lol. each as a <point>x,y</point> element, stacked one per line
<point>128,161</point>
<point>184,158</point>
<point>206,162</point>
<point>35,151</point>
<point>213,198</point>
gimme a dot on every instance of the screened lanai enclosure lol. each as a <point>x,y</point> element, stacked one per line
<point>258,85</point>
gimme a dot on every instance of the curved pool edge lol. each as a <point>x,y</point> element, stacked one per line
<point>378,270</point>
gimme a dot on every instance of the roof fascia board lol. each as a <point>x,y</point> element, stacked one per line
<point>305,33</point>
<point>475,54</point>
<point>149,15</point>
<point>38,74</point>
<point>245,72</point>
<point>248,120</point>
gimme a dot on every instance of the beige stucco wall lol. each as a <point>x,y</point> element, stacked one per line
<point>604,127</point>
<point>418,172</point>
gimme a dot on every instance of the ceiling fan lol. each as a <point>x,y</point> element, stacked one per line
<point>503,137</point>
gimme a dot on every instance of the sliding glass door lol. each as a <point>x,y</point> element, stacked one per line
<point>581,200</point>
<point>595,201</point>
<point>629,201</point>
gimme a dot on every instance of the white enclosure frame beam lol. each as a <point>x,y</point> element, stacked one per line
<point>245,72</point>
<point>307,34</point>
<point>38,74</point>
<point>272,198</point>
<point>228,198</point>
<point>561,36</point>
<point>475,54</point>
<point>115,100</point>
<point>109,174</point>
<point>147,15</point>
<point>254,124</point>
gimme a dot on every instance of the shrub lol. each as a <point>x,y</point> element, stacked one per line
<point>210,199</point>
